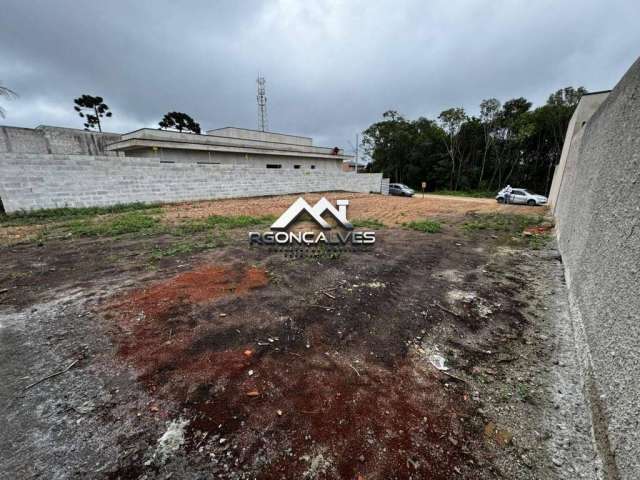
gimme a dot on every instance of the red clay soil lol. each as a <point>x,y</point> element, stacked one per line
<point>538,230</point>
<point>305,413</point>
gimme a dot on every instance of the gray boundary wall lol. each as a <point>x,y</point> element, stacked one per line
<point>598,227</point>
<point>586,108</point>
<point>32,181</point>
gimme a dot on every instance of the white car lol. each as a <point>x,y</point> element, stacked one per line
<point>522,196</point>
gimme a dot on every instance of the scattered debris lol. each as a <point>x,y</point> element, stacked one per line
<point>53,374</point>
<point>501,436</point>
<point>445,309</point>
<point>438,361</point>
<point>169,442</point>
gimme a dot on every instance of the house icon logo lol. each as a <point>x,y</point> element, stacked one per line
<point>302,240</point>
<point>300,207</point>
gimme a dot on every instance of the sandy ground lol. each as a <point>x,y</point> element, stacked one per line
<point>391,211</point>
<point>241,363</point>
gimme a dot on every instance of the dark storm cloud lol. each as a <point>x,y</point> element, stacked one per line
<point>332,68</point>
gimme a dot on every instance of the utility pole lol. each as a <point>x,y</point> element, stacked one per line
<point>357,144</point>
<point>355,149</point>
<point>262,104</point>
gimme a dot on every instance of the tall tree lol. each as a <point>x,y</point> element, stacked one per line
<point>489,111</point>
<point>509,143</point>
<point>7,93</point>
<point>451,121</point>
<point>567,97</point>
<point>92,109</point>
<point>179,121</point>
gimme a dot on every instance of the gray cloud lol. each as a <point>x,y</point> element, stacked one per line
<point>332,67</point>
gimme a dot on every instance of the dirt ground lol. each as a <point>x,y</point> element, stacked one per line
<point>391,211</point>
<point>430,356</point>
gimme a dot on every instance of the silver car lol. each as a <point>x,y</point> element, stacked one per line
<point>522,196</point>
<point>400,189</point>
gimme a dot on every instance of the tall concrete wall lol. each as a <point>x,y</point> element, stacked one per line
<point>45,139</point>
<point>586,108</point>
<point>32,181</point>
<point>598,226</point>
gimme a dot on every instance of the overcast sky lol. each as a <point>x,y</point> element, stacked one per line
<point>332,67</point>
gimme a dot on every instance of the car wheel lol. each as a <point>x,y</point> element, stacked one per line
<point>500,200</point>
<point>531,202</point>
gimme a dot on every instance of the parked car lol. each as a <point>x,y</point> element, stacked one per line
<point>522,196</point>
<point>400,190</point>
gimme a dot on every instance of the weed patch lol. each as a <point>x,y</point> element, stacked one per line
<point>503,222</point>
<point>425,226</point>
<point>185,248</point>
<point>132,222</point>
<point>227,223</point>
<point>537,242</point>
<point>367,223</point>
<point>218,222</point>
<point>61,214</point>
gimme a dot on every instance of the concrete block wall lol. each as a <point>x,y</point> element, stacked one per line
<point>36,181</point>
<point>598,226</point>
<point>384,189</point>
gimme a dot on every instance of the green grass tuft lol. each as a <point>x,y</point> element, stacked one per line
<point>227,223</point>
<point>503,222</point>
<point>60,214</point>
<point>131,222</point>
<point>425,226</point>
<point>367,223</point>
<point>184,248</point>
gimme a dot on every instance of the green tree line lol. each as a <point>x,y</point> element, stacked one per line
<point>508,143</point>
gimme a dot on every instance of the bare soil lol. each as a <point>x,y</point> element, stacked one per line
<point>242,363</point>
<point>391,211</point>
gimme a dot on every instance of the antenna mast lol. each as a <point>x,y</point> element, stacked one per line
<point>262,104</point>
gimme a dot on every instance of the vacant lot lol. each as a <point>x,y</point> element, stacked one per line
<point>152,342</point>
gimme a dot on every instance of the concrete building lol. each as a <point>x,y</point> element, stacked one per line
<point>235,146</point>
<point>350,166</point>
